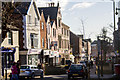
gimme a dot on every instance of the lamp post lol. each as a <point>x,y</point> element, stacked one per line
<point>98,64</point>
<point>114,14</point>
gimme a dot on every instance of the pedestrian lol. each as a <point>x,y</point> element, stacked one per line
<point>18,68</point>
<point>39,66</point>
<point>14,71</point>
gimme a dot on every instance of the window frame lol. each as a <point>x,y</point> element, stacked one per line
<point>42,25</point>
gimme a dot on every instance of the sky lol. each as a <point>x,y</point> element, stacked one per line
<point>95,14</point>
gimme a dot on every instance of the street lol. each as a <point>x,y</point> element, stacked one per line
<point>54,77</point>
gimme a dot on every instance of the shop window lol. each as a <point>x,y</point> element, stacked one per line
<point>9,59</point>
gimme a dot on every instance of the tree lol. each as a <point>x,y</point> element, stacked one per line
<point>10,21</point>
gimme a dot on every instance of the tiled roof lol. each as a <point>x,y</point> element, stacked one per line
<point>22,7</point>
<point>49,11</point>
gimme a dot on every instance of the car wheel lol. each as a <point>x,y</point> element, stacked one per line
<point>68,77</point>
<point>32,76</point>
<point>41,76</point>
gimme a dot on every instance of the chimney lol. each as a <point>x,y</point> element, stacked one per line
<point>58,4</point>
<point>51,4</point>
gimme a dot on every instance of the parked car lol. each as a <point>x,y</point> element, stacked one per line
<point>77,70</point>
<point>30,71</point>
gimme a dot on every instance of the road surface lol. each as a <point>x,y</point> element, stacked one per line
<point>53,77</point>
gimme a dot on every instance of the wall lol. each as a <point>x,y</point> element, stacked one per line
<point>43,32</point>
<point>31,27</point>
<point>15,43</point>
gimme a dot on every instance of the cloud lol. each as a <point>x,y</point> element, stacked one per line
<point>82,5</point>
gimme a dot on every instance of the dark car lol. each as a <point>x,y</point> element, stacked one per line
<point>68,63</point>
<point>77,70</point>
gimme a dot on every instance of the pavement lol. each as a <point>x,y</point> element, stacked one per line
<point>93,75</point>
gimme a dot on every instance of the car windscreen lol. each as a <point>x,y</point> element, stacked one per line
<point>76,67</point>
<point>24,67</point>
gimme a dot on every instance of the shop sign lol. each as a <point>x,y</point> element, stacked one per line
<point>8,50</point>
<point>46,52</point>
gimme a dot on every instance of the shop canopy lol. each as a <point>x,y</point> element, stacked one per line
<point>34,51</point>
<point>8,50</point>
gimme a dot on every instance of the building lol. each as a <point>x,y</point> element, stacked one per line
<point>94,49</point>
<point>30,49</point>
<point>117,34</point>
<point>64,39</point>
<point>10,41</point>
<point>86,45</point>
<point>76,45</point>
<point>53,15</point>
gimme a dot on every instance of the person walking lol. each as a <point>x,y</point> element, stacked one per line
<point>18,68</point>
<point>14,71</point>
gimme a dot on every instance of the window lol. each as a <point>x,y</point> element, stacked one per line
<point>31,35</point>
<point>35,21</point>
<point>29,19</point>
<point>53,32</point>
<point>48,26</point>
<point>42,25</point>
<point>10,40</point>
<point>62,30</point>
<point>9,59</point>
<point>42,42</point>
<point>67,32</point>
<point>59,22</point>
<point>34,40</point>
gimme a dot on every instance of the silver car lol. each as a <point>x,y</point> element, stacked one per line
<point>30,71</point>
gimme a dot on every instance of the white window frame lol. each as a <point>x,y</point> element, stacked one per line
<point>29,17</point>
<point>42,25</point>
<point>43,42</point>
<point>10,38</point>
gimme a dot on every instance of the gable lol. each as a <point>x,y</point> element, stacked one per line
<point>49,11</point>
<point>22,8</point>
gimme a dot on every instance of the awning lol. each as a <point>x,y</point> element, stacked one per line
<point>34,51</point>
<point>8,50</point>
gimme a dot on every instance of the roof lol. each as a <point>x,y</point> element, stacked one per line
<point>65,25</point>
<point>52,23</point>
<point>49,11</point>
<point>22,7</point>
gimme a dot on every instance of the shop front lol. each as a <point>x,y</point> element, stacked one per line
<point>46,55</point>
<point>35,56</point>
<point>56,58</point>
<point>8,58</point>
